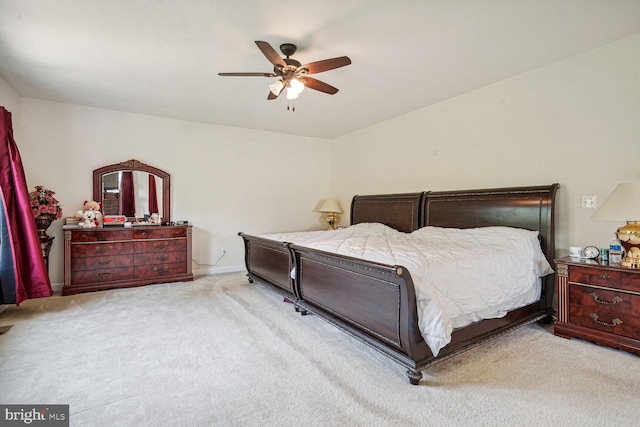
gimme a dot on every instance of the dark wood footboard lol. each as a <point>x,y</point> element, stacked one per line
<point>374,302</point>
<point>269,262</point>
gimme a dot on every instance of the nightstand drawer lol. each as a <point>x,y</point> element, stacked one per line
<point>607,278</point>
<point>603,299</point>
<point>604,320</point>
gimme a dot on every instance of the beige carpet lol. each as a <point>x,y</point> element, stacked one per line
<point>221,351</point>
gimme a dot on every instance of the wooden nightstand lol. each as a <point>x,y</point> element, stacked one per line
<point>598,303</point>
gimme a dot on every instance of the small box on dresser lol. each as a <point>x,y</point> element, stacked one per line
<point>598,302</point>
<point>104,258</point>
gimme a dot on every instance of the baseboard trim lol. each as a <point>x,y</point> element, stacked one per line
<point>218,270</point>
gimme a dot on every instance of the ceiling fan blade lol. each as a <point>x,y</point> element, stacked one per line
<point>326,65</point>
<point>271,54</point>
<point>248,74</point>
<point>272,96</point>
<point>315,84</point>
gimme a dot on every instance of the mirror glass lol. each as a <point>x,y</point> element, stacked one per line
<point>145,188</point>
<point>132,189</point>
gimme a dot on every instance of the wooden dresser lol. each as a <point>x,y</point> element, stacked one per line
<point>598,303</point>
<point>110,257</point>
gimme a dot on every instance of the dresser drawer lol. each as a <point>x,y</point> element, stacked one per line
<point>99,235</point>
<point>605,320</point>
<point>159,270</point>
<point>101,262</point>
<point>611,300</point>
<point>152,258</point>
<point>167,245</point>
<point>609,278</point>
<point>90,250</point>
<point>101,276</point>
<point>158,232</point>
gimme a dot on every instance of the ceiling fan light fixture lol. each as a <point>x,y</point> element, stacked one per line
<point>276,87</point>
<point>296,85</point>
<point>291,94</point>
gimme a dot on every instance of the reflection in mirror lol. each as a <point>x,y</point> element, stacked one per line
<point>131,193</point>
<point>132,189</point>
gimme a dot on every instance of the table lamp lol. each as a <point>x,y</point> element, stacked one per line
<point>331,208</point>
<point>623,204</point>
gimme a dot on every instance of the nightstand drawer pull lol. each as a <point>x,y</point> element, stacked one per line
<point>613,323</point>
<point>605,276</point>
<point>614,300</point>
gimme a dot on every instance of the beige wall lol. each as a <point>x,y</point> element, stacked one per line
<point>9,99</point>
<point>223,180</point>
<point>576,122</point>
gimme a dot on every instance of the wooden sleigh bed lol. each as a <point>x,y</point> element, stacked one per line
<point>376,302</point>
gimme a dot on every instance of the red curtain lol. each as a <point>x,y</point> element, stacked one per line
<point>128,194</point>
<point>23,270</point>
<point>153,196</point>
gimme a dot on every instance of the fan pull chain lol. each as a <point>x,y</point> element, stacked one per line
<point>291,105</point>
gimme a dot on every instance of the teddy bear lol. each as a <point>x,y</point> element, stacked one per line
<point>93,206</point>
<point>88,219</point>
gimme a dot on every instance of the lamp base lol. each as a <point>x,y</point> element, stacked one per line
<point>331,219</point>
<point>629,236</point>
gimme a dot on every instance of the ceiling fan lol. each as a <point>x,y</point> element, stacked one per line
<point>293,76</point>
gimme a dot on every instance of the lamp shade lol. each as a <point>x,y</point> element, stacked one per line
<point>330,205</point>
<point>623,204</point>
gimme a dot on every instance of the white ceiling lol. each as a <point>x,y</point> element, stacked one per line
<point>161,57</point>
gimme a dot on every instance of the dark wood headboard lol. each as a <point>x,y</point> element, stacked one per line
<point>399,211</point>
<point>530,208</point>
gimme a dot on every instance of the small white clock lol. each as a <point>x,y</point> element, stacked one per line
<point>591,252</point>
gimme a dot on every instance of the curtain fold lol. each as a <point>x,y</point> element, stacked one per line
<point>23,273</point>
<point>153,196</point>
<point>128,194</point>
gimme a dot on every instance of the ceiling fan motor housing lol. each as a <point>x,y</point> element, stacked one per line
<point>288,49</point>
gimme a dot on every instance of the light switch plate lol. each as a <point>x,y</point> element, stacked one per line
<point>589,201</point>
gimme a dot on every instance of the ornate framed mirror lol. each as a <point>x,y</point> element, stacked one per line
<point>133,189</point>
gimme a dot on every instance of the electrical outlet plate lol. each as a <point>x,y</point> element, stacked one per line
<point>589,201</point>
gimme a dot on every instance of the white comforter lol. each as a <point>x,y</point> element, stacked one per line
<point>460,275</point>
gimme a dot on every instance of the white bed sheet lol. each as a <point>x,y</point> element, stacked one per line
<point>460,276</point>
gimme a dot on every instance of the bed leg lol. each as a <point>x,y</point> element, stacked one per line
<point>414,376</point>
<point>302,311</point>
<point>548,320</point>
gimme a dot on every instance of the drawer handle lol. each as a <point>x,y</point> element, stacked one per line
<point>614,300</point>
<point>613,323</point>
<point>104,248</point>
<point>144,233</point>
<point>163,257</point>
<point>104,276</point>
<point>161,270</point>
<point>104,262</point>
<point>84,235</point>
<point>605,276</point>
<point>161,245</point>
